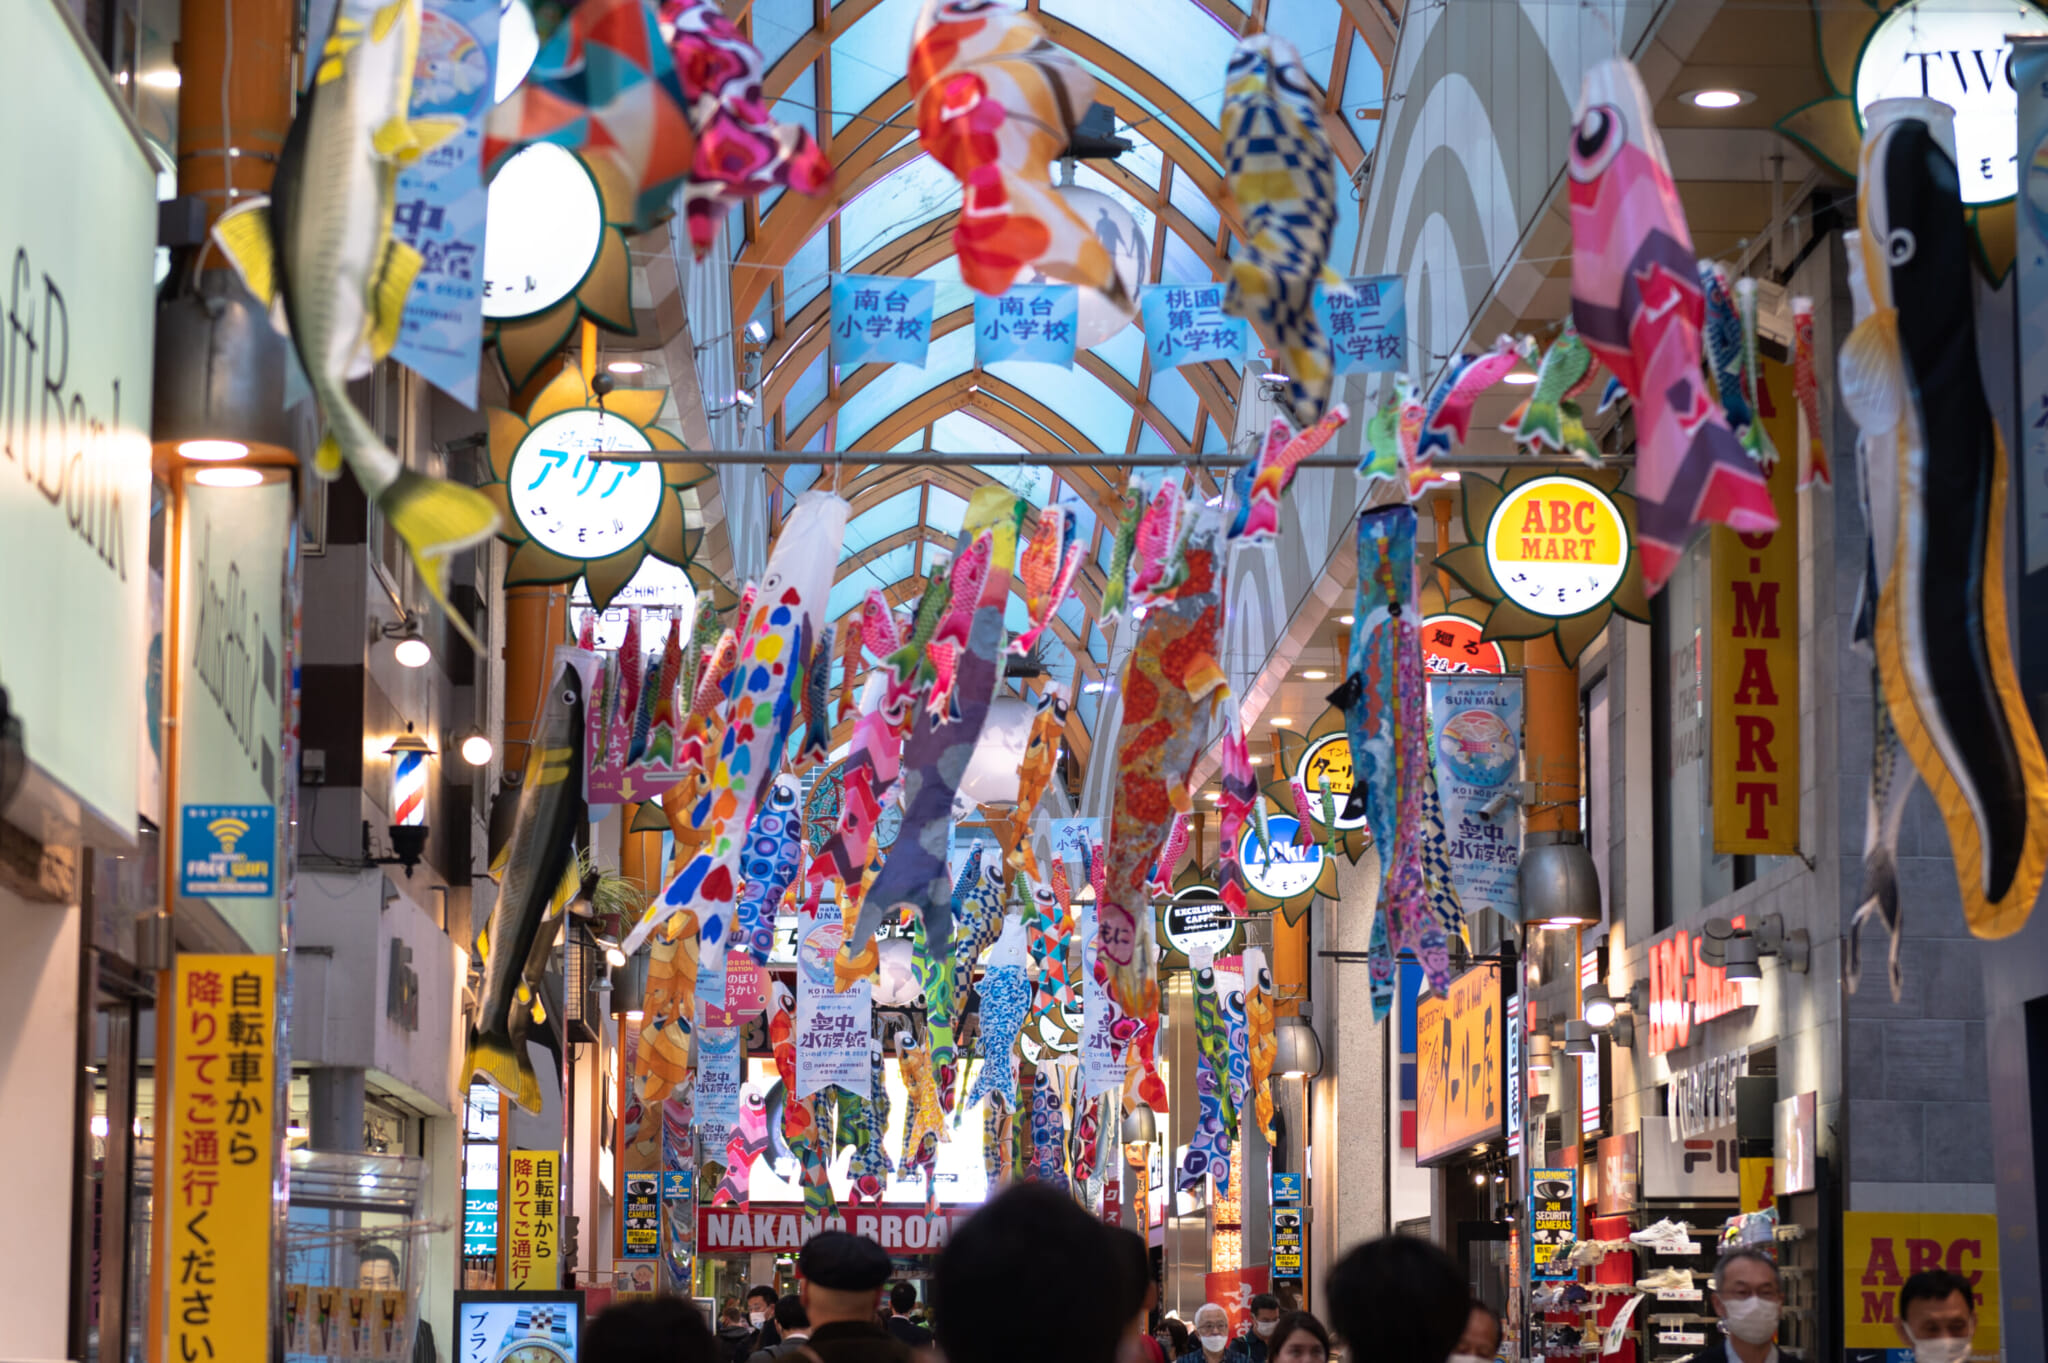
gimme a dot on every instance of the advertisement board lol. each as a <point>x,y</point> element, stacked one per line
<point>1880,1250</point>
<point>1553,1223</point>
<point>492,1325</point>
<point>1459,1049</point>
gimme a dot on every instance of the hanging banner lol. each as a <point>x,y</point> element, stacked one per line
<point>1475,725</point>
<point>533,1229</point>
<point>831,1028</point>
<point>232,700</point>
<point>1880,1250</point>
<point>1186,324</point>
<point>1459,1046</point>
<point>1027,322</point>
<point>898,1229</point>
<point>222,1148</point>
<point>1073,841</point>
<point>721,1063</point>
<point>1753,724</point>
<point>1102,1069</point>
<point>1553,1223</point>
<point>441,198</point>
<point>881,319</point>
<point>1368,327</point>
<point>641,1212</point>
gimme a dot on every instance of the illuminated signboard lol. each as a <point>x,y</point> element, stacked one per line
<point>1329,758</point>
<point>1459,1095</point>
<point>1452,644</point>
<point>1292,871</point>
<point>1557,546</point>
<point>1685,991</point>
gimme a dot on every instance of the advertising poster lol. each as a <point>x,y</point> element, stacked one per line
<point>721,1059</point>
<point>642,1214</point>
<point>491,1325</point>
<point>441,198</point>
<point>533,1238</point>
<point>832,1029</point>
<point>1553,1223</point>
<point>1102,1069</point>
<point>1476,724</point>
<point>1753,654</point>
<point>1459,1047</point>
<point>222,1142</point>
<point>1880,1250</point>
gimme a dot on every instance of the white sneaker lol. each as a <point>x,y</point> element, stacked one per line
<point>1664,1279</point>
<point>1663,1232</point>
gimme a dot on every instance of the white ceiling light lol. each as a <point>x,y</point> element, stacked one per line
<point>1521,377</point>
<point>1716,99</point>
<point>1314,674</point>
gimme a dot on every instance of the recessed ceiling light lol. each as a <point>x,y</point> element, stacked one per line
<point>1258,759</point>
<point>1521,377</point>
<point>1346,619</point>
<point>228,477</point>
<point>1279,721</point>
<point>1315,674</point>
<point>164,78</point>
<point>1716,99</point>
<point>1214,797</point>
<point>626,367</point>
<point>1453,476</point>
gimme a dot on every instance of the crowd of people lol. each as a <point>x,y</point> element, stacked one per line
<point>1032,1277</point>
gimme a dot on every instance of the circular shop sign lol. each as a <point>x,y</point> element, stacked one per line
<point>1197,919</point>
<point>1557,546</point>
<point>660,590</point>
<point>1293,871</point>
<point>573,505</point>
<point>1453,645</point>
<point>544,228</point>
<point>1329,756</point>
<point>1955,51</point>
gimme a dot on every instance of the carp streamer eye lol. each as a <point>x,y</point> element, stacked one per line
<point>569,697</point>
<point>1900,245</point>
<point>1596,141</point>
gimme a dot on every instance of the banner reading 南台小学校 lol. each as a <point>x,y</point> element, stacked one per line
<point>1475,726</point>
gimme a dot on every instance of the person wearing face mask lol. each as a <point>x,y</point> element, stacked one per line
<point>1748,1297</point>
<point>1937,1316</point>
<point>1256,1347</point>
<point>761,1301</point>
<point>1212,1335</point>
<point>1481,1340</point>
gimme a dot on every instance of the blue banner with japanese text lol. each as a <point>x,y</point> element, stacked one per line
<point>1367,327</point>
<point>880,319</point>
<point>1028,322</point>
<point>441,198</point>
<point>1186,324</point>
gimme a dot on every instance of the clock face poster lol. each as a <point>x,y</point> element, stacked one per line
<point>517,1327</point>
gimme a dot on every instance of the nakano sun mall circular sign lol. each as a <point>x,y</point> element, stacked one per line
<point>1955,51</point>
<point>1557,546</point>
<point>573,505</point>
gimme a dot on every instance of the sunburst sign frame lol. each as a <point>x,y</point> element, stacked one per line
<point>603,296</point>
<point>668,536</point>
<point>1506,620</point>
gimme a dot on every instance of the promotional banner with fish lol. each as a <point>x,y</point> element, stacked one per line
<point>1281,173</point>
<point>336,278</point>
<point>1636,300</point>
<point>721,1066</point>
<point>1476,724</point>
<point>441,198</point>
<point>832,1026</point>
<point>1910,376</point>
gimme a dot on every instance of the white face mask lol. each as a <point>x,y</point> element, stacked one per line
<point>1214,1343</point>
<point>1753,1320</point>
<point>759,1318</point>
<point>1939,1350</point>
<point>1265,1328</point>
<point>1467,1358</point>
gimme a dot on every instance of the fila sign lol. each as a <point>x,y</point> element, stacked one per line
<point>1685,991</point>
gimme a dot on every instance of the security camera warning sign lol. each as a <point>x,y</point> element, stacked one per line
<point>227,851</point>
<point>1553,1222</point>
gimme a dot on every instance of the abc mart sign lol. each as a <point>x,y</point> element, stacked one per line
<point>1685,991</point>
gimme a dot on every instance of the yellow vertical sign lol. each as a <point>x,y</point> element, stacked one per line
<point>1880,1250</point>
<point>1754,724</point>
<point>533,1254</point>
<point>221,1153</point>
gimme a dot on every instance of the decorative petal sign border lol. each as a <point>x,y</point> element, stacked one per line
<point>1828,126</point>
<point>605,295</point>
<point>1279,788</point>
<point>668,538</point>
<point>1504,619</point>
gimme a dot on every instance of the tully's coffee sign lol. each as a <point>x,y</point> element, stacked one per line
<point>76,300</point>
<point>1685,991</point>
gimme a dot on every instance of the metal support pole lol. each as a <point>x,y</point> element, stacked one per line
<point>1066,459</point>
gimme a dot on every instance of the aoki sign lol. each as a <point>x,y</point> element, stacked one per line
<point>1686,992</point>
<point>1291,872</point>
<point>1557,546</point>
<point>1955,51</point>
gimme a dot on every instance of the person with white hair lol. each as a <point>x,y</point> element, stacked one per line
<point>1212,1335</point>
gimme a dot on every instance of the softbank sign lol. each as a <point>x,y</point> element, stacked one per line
<point>1685,991</point>
<point>900,1230</point>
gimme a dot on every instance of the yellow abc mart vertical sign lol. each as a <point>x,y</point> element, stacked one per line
<point>1753,697</point>
<point>223,1141</point>
<point>1458,1046</point>
<point>1880,1250</point>
<point>1557,546</point>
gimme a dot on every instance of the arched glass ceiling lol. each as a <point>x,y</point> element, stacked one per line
<point>837,66</point>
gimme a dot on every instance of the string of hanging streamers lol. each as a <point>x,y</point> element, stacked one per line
<point>1026,459</point>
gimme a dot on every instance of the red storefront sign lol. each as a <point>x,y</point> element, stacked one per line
<point>900,1230</point>
<point>1685,991</point>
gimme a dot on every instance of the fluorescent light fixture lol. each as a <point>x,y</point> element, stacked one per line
<point>163,78</point>
<point>626,367</point>
<point>1716,99</point>
<point>212,451</point>
<point>228,477</point>
<point>1275,376</point>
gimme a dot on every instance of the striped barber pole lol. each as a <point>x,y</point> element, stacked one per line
<point>409,789</point>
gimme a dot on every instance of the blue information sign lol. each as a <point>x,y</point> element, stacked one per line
<point>1286,1188</point>
<point>228,851</point>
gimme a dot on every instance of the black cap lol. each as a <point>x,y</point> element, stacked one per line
<point>841,1262</point>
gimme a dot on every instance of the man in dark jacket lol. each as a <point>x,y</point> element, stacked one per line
<point>840,1281</point>
<point>1265,1316</point>
<point>902,1297</point>
<point>794,1326</point>
<point>735,1337</point>
<point>761,1316</point>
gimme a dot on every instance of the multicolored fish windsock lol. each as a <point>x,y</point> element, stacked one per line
<point>1212,1036</point>
<point>1256,487</point>
<point>996,103</point>
<point>774,854</point>
<point>1636,299</point>
<point>1447,418</point>
<point>1262,1044</point>
<point>1552,418</point>
<point>1910,378</point>
<point>1280,170</point>
<point>1813,462</point>
<point>1005,999</point>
